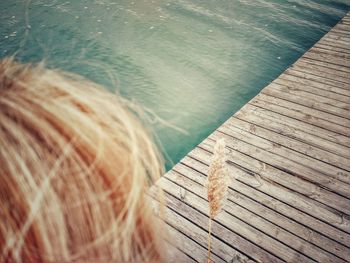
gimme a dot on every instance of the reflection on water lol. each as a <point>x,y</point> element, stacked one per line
<point>193,62</point>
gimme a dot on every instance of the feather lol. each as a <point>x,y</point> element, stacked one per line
<point>217,184</point>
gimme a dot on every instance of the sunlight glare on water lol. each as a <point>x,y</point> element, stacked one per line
<point>192,62</point>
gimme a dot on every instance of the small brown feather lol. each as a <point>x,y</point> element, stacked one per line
<point>217,179</point>
<point>217,184</point>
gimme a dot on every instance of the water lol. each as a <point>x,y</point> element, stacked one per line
<point>192,62</point>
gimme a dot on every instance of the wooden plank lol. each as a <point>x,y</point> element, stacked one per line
<point>186,236</point>
<point>330,43</point>
<point>242,228</point>
<point>336,107</point>
<point>175,254</point>
<point>319,79</point>
<point>259,203</point>
<point>343,22</point>
<point>339,112</point>
<point>336,36</point>
<point>341,101</point>
<point>340,32</point>
<point>335,43</point>
<point>189,247</point>
<point>306,120</point>
<point>335,54</point>
<point>299,210</point>
<point>302,191</point>
<point>275,155</point>
<point>302,81</point>
<point>303,148</point>
<point>288,241</point>
<point>232,226</point>
<point>327,43</point>
<point>198,191</point>
<point>336,70</point>
<point>332,48</point>
<point>343,27</point>
<point>330,57</point>
<point>305,65</point>
<point>272,146</point>
<point>343,63</point>
<point>262,118</point>
<point>327,73</point>
<point>347,23</point>
<point>293,234</point>
<point>315,117</point>
<point>341,70</point>
<point>312,90</point>
<point>173,238</point>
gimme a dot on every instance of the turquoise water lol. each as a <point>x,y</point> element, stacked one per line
<point>192,62</point>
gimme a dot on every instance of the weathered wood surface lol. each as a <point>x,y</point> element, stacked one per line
<point>289,163</point>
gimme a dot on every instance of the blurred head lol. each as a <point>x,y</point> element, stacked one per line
<point>75,163</point>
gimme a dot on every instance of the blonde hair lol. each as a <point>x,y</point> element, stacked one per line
<point>75,163</point>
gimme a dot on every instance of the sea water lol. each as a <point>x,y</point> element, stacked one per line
<point>192,63</point>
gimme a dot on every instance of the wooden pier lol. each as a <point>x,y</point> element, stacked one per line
<point>289,161</point>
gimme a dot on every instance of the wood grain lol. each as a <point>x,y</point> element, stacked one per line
<point>289,165</point>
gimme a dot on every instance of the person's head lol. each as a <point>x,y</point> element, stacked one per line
<point>75,164</point>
